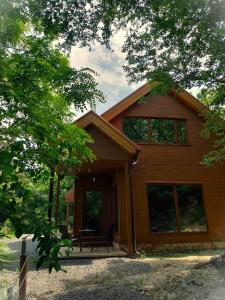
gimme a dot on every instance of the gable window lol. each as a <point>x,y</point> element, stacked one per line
<point>136,129</point>
<point>176,208</point>
<point>162,131</point>
<point>156,130</point>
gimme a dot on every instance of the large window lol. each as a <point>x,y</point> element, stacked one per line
<point>176,208</point>
<point>156,131</point>
<point>136,129</point>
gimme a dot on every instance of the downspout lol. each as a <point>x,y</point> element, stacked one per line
<point>132,164</point>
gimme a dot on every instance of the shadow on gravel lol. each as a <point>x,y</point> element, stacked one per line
<point>135,279</point>
<point>115,282</point>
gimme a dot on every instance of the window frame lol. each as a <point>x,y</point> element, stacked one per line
<point>149,142</point>
<point>177,210</point>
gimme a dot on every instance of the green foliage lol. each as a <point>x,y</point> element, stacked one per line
<point>171,42</point>
<point>5,254</point>
<point>142,254</point>
<point>38,88</point>
<point>214,129</point>
<point>49,246</point>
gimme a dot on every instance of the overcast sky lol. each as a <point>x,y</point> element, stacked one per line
<point>112,79</point>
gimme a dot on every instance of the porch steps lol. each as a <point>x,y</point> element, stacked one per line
<point>95,254</point>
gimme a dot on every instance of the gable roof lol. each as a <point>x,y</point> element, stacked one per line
<point>128,101</point>
<point>91,118</point>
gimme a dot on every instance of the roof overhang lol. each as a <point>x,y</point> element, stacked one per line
<point>91,118</point>
<point>181,94</point>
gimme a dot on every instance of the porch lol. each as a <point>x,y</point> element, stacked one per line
<point>99,204</point>
<point>101,198</point>
<point>95,254</point>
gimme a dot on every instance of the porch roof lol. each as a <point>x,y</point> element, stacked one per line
<point>91,118</point>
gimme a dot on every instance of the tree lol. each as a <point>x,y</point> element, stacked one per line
<point>175,42</point>
<point>182,43</point>
<point>37,89</point>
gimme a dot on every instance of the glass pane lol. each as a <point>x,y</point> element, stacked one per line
<point>192,214</point>
<point>93,210</point>
<point>161,208</point>
<point>136,129</point>
<point>182,132</point>
<point>162,131</point>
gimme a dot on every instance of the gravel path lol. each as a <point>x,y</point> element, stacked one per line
<point>111,278</point>
<point>156,278</point>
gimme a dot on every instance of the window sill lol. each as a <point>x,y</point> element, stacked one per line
<point>152,144</point>
<point>179,233</point>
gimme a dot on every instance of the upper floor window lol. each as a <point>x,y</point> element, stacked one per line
<point>156,131</point>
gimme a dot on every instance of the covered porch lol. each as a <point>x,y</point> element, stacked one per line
<point>101,199</point>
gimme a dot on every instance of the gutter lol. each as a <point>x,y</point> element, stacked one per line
<point>132,164</point>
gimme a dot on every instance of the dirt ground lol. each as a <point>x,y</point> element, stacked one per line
<point>162,276</point>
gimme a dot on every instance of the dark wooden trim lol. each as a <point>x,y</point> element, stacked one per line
<point>75,207</point>
<point>132,164</point>
<point>205,211</point>
<point>176,207</point>
<point>51,194</point>
<point>128,208</point>
<point>149,124</point>
<point>67,214</point>
<point>187,133</point>
<point>174,182</point>
<point>175,128</point>
<point>168,145</point>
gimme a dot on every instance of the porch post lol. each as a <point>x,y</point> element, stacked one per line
<point>67,214</point>
<point>57,201</point>
<point>74,207</point>
<point>128,209</point>
<point>50,195</point>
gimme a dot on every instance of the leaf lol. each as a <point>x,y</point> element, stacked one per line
<point>40,262</point>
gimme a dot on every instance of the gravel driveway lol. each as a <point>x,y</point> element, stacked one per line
<point>155,278</point>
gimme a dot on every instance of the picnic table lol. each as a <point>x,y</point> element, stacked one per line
<point>86,238</point>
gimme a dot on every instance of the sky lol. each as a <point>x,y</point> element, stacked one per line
<point>108,64</point>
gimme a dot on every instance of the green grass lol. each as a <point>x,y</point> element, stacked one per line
<point>5,254</point>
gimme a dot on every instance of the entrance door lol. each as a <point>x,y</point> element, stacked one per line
<point>93,210</point>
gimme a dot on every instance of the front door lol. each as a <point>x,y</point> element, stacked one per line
<point>93,210</point>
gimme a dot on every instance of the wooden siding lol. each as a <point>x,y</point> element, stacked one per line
<point>110,172</point>
<point>176,164</point>
<point>185,97</point>
<point>103,147</point>
<point>92,119</point>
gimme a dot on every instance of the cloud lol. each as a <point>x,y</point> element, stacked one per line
<point>108,64</point>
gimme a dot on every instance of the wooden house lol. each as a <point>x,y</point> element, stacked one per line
<point>148,179</point>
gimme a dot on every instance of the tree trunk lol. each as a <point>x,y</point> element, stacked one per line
<point>57,202</point>
<point>50,197</point>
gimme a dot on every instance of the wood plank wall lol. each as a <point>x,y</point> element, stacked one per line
<point>176,164</point>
